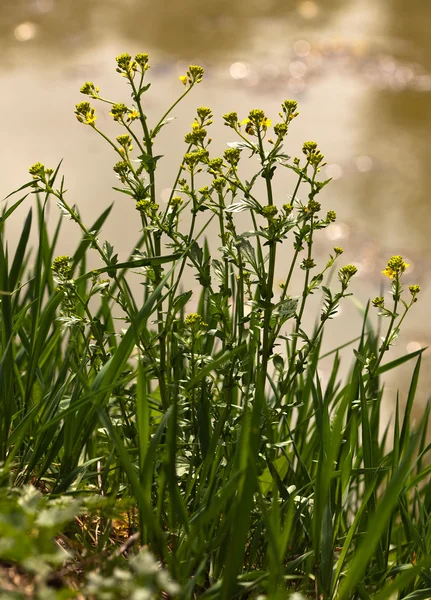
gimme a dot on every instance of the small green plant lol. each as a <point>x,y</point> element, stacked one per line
<point>247,474</point>
<point>32,539</point>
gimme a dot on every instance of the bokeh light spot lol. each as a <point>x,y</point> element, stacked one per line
<point>337,231</point>
<point>25,31</point>
<point>334,171</point>
<point>308,10</point>
<point>44,6</point>
<point>301,48</point>
<point>238,70</point>
<point>413,346</point>
<point>364,163</point>
<point>297,68</point>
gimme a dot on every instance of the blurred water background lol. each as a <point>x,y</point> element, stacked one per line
<point>360,70</point>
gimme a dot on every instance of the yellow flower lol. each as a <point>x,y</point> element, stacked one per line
<point>183,79</point>
<point>85,113</point>
<point>264,123</point>
<point>133,115</point>
<point>396,266</point>
<point>391,273</point>
<point>90,118</point>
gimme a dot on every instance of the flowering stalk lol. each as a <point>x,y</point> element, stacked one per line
<point>315,159</point>
<point>394,270</point>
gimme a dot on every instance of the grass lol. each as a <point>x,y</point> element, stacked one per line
<point>200,454</point>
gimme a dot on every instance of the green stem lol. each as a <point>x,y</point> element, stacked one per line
<point>266,347</point>
<point>155,131</point>
<point>384,346</point>
<point>157,248</point>
<point>303,302</point>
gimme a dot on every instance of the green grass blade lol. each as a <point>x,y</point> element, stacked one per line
<point>378,523</point>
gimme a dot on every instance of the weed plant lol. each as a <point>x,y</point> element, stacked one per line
<point>207,437</point>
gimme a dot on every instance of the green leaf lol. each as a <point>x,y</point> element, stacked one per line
<point>266,480</point>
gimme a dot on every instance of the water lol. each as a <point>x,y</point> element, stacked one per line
<point>360,70</point>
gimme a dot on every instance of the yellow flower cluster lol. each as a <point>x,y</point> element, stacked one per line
<point>194,322</point>
<point>396,266</point>
<point>85,113</point>
<point>265,123</point>
<point>193,75</point>
<point>256,120</point>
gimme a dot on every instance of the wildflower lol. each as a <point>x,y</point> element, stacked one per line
<point>232,156</point>
<point>85,113</point>
<point>396,266</point>
<point>296,161</point>
<point>313,206</point>
<point>122,169</point>
<point>231,119</point>
<point>61,267</point>
<point>349,270</point>
<point>176,202</point>
<point>288,208</point>
<point>192,159</point>
<point>256,119</point>
<point>269,212</point>
<point>132,115</point>
<point>89,89</point>
<point>256,116</point>
<point>118,111</point>
<point>346,273</point>
<point>308,148</point>
<point>147,207</point>
<point>215,165</point>
<point>338,250</point>
<point>126,65</point>
<point>193,321</point>
<point>313,155</point>
<point>308,263</point>
<point>124,139</point>
<point>195,73</point>
<point>289,108</point>
<point>379,302</point>
<point>142,60</point>
<point>331,216</point>
<point>280,129</point>
<point>414,290</point>
<point>37,170</point>
<point>197,135</point>
<point>204,113</point>
<point>123,60</point>
<point>125,142</point>
<point>316,158</point>
<point>218,184</point>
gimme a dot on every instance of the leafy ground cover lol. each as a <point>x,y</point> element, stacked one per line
<point>169,453</point>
